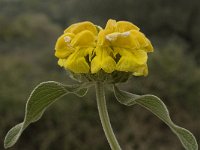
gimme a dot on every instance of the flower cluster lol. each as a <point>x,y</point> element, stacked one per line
<point>87,48</point>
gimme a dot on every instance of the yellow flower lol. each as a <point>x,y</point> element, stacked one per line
<point>85,48</point>
<point>129,48</point>
<point>75,45</point>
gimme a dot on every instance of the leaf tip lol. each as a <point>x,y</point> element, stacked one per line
<point>13,135</point>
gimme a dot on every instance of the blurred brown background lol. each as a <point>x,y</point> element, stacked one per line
<point>28,31</point>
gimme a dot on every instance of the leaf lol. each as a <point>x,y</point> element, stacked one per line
<point>40,99</point>
<point>158,108</point>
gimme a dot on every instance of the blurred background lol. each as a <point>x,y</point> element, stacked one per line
<point>28,32</point>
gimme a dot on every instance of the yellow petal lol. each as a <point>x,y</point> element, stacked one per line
<point>123,40</point>
<point>142,40</point>
<point>130,61</point>
<point>123,26</point>
<point>140,56</point>
<point>90,52</point>
<point>111,26</point>
<point>149,47</point>
<point>61,62</point>
<point>61,42</point>
<point>140,37</point>
<point>126,64</point>
<point>63,48</point>
<point>76,62</point>
<point>102,39</point>
<point>64,53</point>
<point>96,64</point>
<point>108,64</point>
<point>141,71</point>
<point>103,60</point>
<point>82,26</point>
<point>78,66</point>
<point>84,38</point>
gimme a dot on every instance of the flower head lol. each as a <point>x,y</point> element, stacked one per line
<point>85,48</point>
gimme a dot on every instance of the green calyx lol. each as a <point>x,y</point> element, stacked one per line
<point>101,76</point>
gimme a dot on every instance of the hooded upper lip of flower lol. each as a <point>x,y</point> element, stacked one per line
<point>77,35</point>
<point>120,46</point>
<point>77,42</point>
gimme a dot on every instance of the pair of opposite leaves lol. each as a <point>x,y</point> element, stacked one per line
<point>48,92</point>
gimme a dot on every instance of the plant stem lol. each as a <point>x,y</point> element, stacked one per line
<point>103,113</point>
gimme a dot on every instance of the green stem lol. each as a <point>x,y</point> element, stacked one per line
<point>103,113</point>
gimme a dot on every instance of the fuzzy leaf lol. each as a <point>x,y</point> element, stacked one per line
<point>158,108</point>
<point>40,99</point>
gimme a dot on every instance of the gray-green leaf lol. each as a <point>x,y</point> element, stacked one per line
<point>40,99</point>
<point>157,107</point>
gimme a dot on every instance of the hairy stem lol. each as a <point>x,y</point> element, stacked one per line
<point>103,113</point>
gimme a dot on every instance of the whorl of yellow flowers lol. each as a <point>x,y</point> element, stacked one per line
<point>87,48</point>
